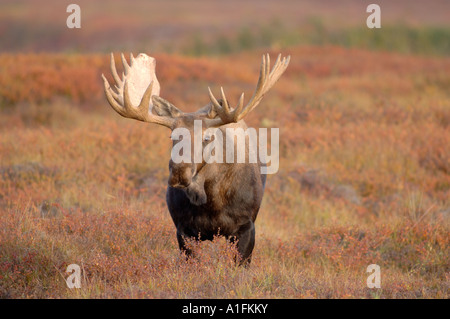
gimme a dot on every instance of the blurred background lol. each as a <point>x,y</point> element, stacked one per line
<point>198,27</point>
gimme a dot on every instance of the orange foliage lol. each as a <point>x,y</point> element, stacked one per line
<point>40,77</point>
<point>363,179</point>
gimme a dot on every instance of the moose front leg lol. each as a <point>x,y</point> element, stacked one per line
<point>181,237</point>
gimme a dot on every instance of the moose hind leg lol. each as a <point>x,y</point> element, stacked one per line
<point>246,243</point>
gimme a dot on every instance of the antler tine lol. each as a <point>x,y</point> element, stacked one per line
<point>278,69</point>
<point>240,104</point>
<point>267,78</point>
<point>111,98</point>
<point>145,101</point>
<point>213,99</point>
<point>224,99</point>
<point>114,70</point>
<point>126,67</point>
<point>259,92</point>
<point>127,104</point>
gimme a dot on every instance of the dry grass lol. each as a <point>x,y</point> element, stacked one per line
<point>364,179</point>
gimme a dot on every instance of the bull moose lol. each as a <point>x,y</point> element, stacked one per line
<point>204,198</point>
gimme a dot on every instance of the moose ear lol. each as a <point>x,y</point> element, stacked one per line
<point>211,113</point>
<point>207,110</point>
<point>165,108</point>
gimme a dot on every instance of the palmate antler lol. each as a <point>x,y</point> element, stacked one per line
<point>267,78</point>
<point>121,100</point>
<point>145,90</point>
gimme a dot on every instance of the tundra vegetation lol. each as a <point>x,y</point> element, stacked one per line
<point>364,175</point>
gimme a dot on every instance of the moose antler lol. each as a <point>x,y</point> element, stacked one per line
<point>267,78</point>
<point>120,99</point>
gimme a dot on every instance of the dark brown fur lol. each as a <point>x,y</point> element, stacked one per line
<point>217,198</point>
